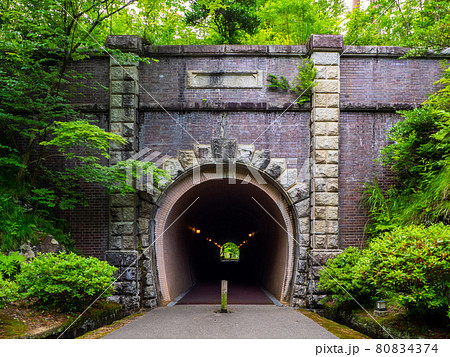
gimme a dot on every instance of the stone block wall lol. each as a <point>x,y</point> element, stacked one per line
<point>325,52</point>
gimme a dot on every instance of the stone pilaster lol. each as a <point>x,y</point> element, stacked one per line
<point>124,228</point>
<point>325,52</point>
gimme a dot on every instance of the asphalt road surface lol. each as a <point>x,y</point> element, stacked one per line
<point>202,321</point>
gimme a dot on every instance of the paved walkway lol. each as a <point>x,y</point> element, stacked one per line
<point>200,321</point>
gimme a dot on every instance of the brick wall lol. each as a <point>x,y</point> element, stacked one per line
<point>362,137</point>
<point>164,82</point>
<point>287,139</point>
<point>386,82</point>
<point>96,70</point>
<point>373,87</point>
<point>89,226</point>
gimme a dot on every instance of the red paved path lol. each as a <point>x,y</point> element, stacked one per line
<point>239,293</point>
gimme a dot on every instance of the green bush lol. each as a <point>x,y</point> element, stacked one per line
<point>408,265</point>
<point>10,265</point>
<point>340,278</point>
<point>8,292</point>
<point>64,281</point>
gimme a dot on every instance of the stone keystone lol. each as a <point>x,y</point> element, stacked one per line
<point>261,159</point>
<point>288,178</point>
<point>224,149</point>
<point>245,153</point>
<point>276,167</point>
<point>299,192</point>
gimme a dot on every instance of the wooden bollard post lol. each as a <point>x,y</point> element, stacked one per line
<point>224,296</point>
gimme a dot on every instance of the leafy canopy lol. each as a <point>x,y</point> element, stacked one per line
<point>419,24</point>
<point>47,146</point>
<point>229,20</point>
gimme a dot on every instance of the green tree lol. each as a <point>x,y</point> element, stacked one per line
<point>157,22</point>
<point>292,22</point>
<point>420,24</point>
<point>229,251</point>
<point>229,20</point>
<point>38,41</point>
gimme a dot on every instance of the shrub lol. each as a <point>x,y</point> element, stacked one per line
<point>8,292</point>
<point>408,265</point>
<point>341,273</point>
<point>10,264</point>
<point>64,281</point>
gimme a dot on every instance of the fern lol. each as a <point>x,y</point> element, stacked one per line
<point>10,265</point>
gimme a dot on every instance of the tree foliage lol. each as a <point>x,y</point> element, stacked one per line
<point>229,20</point>
<point>229,251</point>
<point>422,25</point>
<point>171,22</point>
<point>292,22</point>
<point>38,41</point>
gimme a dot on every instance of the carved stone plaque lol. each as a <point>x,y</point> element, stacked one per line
<point>224,79</point>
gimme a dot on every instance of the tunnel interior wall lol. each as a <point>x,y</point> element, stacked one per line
<point>224,212</point>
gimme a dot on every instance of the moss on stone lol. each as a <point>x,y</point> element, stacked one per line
<point>11,327</point>
<point>336,329</point>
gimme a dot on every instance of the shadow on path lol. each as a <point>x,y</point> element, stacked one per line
<point>239,293</point>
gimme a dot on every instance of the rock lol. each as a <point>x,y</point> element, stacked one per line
<point>48,244</point>
<point>224,149</point>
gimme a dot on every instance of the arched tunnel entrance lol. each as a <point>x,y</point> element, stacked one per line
<point>195,221</point>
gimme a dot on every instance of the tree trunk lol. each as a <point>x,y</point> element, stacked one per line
<point>26,160</point>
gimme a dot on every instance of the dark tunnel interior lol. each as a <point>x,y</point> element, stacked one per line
<point>223,212</point>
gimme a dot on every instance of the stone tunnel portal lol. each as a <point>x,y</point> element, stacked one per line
<point>196,220</point>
